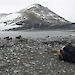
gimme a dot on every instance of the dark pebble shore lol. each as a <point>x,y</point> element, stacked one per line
<point>27,56</point>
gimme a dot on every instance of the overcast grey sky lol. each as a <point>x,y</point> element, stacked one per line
<point>64,8</point>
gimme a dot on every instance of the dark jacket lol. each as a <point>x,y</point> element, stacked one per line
<point>69,53</point>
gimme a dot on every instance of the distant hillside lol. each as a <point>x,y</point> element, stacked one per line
<point>34,17</point>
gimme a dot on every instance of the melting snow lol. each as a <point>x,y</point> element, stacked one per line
<point>10,17</point>
<point>3,26</point>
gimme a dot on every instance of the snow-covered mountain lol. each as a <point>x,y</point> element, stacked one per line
<point>35,16</point>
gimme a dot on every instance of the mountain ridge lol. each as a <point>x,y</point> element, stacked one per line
<point>34,17</point>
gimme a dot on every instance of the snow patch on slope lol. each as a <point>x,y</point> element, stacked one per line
<point>13,16</point>
<point>46,14</point>
<point>3,26</point>
<point>10,17</point>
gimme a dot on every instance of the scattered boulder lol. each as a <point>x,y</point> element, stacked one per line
<point>19,37</point>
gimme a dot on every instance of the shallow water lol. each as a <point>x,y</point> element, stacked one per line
<point>36,34</point>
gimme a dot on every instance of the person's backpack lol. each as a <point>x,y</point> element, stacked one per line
<point>69,54</point>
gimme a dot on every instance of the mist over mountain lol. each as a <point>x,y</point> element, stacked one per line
<point>34,17</point>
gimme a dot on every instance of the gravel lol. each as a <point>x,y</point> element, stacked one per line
<point>27,56</point>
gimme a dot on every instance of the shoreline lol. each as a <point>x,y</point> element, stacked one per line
<point>38,30</point>
<point>36,34</point>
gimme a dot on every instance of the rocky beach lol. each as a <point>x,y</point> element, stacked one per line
<point>29,35</point>
<point>26,56</point>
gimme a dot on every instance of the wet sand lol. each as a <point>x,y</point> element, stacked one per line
<point>34,57</point>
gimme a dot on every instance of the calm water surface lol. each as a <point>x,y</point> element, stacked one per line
<point>36,34</point>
